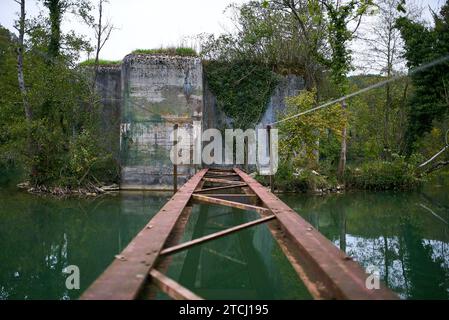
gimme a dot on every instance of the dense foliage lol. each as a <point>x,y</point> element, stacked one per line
<point>59,144</point>
<point>301,136</point>
<point>380,123</point>
<point>51,126</point>
<point>367,131</point>
<point>430,101</point>
<point>397,174</point>
<point>242,88</point>
<point>266,36</point>
<point>12,114</point>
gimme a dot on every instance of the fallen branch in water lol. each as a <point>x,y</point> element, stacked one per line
<point>440,164</point>
<point>437,166</point>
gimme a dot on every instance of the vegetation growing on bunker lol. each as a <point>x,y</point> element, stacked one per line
<point>171,51</point>
<point>105,63</point>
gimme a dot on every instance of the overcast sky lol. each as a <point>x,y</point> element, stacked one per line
<point>142,23</point>
<point>150,23</point>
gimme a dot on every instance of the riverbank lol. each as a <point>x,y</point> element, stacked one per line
<point>89,190</point>
<point>40,235</point>
<point>396,175</point>
<point>13,181</point>
<point>403,233</point>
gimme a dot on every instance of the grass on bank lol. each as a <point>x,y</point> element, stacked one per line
<point>172,51</point>
<point>91,62</point>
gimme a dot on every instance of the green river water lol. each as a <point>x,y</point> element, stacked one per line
<point>404,235</point>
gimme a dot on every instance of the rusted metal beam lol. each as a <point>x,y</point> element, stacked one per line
<point>224,176</point>
<point>296,259</point>
<point>233,204</point>
<point>220,173</point>
<point>239,197</point>
<point>215,169</point>
<point>214,236</point>
<point>170,287</point>
<point>232,195</point>
<point>270,153</point>
<point>124,278</point>
<point>188,273</point>
<point>337,273</point>
<point>221,188</point>
<point>222,181</point>
<point>326,271</point>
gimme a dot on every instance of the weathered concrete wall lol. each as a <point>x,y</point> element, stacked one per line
<point>289,85</point>
<point>142,100</point>
<point>214,117</point>
<point>108,86</point>
<point>158,91</point>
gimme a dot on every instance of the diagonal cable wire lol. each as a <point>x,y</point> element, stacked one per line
<point>438,153</point>
<point>374,86</point>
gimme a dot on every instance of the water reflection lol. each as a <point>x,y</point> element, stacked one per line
<point>39,237</point>
<point>405,235</point>
<point>245,265</point>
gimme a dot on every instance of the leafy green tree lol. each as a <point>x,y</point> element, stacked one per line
<point>300,136</point>
<point>12,127</point>
<point>309,25</point>
<point>367,111</point>
<point>430,100</point>
<point>268,34</point>
<point>66,151</point>
<point>330,45</point>
<point>57,10</point>
<point>339,15</point>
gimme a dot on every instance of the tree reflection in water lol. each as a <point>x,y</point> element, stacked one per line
<point>392,231</point>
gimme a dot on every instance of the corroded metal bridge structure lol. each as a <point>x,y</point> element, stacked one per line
<point>327,272</point>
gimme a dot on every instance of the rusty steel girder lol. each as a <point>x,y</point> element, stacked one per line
<point>327,272</point>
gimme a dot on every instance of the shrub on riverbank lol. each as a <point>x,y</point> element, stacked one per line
<point>397,174</point>
<point>79,162</point>
<point>288,179</point>
<point>52,127</point>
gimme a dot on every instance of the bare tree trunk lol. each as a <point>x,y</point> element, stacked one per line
<point>98,48</point>
<point>343,150</point>
<point>388,100</point>
<point>20,49</point>
<point>102,33</point>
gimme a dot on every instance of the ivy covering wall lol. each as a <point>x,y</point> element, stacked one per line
<point>242,88</point>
